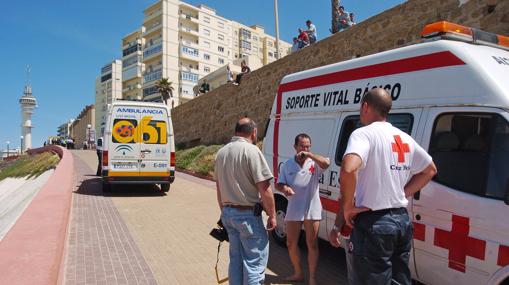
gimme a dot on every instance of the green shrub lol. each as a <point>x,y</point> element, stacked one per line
<point>183,158</point>
<point>30,165</point>
<point>204,161</point>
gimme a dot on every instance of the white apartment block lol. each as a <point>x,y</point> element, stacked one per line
<point>132,65</point>
<point>108,87</point>
<point>184,43</point>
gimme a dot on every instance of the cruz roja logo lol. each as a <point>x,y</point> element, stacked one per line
<point>123,148</point>
<point>399,147</point>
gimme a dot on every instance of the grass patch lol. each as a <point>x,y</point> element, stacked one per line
<point>204,162</point>
<point>30,165</point>
<point>199,159</point>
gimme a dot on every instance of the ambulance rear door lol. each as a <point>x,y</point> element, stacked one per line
<point>123,149</point>
<point>155,146</point>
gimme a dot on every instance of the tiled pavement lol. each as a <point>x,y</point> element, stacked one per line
<point>167,232</point>
<point>100,249</point>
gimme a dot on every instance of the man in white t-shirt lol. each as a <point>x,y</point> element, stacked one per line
<point>298,180</point>
<point>382,167</point>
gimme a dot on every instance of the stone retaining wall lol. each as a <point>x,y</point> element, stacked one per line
<point>210,118</point>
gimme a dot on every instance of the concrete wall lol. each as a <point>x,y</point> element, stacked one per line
<point>211,118</point>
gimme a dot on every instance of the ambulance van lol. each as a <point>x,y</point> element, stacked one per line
<point>138,146</point>
<point>451,94</point>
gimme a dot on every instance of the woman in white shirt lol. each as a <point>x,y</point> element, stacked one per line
<point>298,180</point>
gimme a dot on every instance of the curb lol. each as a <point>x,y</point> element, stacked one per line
<point>32,251</point>
<point>192,173</point>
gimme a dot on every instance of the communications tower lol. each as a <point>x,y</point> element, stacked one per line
<point>28,104</point>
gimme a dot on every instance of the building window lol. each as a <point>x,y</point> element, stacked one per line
<point>255,49</point>
<point>220,48</point>
<point>220,24</point>
<point>206,32</point>
<point>206,69</point>
<point>269,43</point>
<point>245,34</point>
<point>403,122</point>
<point>245,45</point>
<point>206,19</point>
<point>190,51</point>
<point>271,54</point>
<point>206,56</point>
<point>206,44</point>
<point>220,37</point>
<point>189,76</point>
<point>255,38</point>
<point>220,61</point>
<point>471,151</point>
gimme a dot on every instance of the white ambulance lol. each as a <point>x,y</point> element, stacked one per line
<point>138,145</point>
<point>451,94</point>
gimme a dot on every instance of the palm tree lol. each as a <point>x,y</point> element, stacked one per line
<point>165,88</point>
<point>335,16</point>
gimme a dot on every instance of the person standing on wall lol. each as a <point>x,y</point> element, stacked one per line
<point>382,166</point>
<point>243,181</point>
<point>298,180</point>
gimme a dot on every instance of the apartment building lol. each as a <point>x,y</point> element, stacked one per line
<point>184,43</point>
<point>132,65</point>
<point>80,130</point>
<point>108,87</point>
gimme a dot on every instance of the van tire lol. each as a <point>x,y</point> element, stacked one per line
<point>278,233</point>
<point>106,187</point>
<point>165,187</point>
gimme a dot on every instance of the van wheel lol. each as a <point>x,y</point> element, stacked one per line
<point>106,187</point>
<point>279,233</point>
<point>165,187</point>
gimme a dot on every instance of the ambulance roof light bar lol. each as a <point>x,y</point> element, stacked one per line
<point>448,30</point>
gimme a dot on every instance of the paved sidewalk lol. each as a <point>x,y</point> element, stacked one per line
<point>100,248</point>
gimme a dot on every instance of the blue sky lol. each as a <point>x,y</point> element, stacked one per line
<point>66,42</point>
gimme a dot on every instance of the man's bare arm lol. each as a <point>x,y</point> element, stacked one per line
<point>348,181</point>
<point>268,202</point>
<point>219,196</point>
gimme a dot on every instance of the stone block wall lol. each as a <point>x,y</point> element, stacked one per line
<point>211,118</point>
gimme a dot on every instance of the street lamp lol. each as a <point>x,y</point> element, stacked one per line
<point>7,142</point>
<point>21,146</point>
<point>89,126</point>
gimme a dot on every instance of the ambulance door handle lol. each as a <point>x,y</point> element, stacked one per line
<point>146,151</point>
<point>418,217</point>
<point>325,192</point>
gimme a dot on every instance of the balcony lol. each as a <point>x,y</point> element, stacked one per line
<point>151,51</point>
<point>189,44</point>
<point>132,43</point>
<point>189,30</point>
<point>131,73</point>
<point>128,51</point>
<point>190,17</point>
<point>152,28</point>
<point>189,53</point>
<point>152,15</point>
<point>149,77</point>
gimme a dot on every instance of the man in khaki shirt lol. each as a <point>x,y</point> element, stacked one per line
<point>243,180</point>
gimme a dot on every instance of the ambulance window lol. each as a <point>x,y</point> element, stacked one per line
<point>403,122</point>
<point>471,151</point>
<point>124,131</point>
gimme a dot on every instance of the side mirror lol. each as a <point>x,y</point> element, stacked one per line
<point>506,198</point>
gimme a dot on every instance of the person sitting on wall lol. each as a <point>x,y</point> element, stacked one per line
<point>303,39</point>
<point>244,70</point>
<point>205,87</point>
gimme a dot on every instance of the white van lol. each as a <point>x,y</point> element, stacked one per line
<point>138,145</point>
<point>451,94</point>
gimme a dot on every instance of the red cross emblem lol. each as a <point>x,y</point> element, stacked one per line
<point>312,169</point>
<point>459,244</point>
<point>400,147</point>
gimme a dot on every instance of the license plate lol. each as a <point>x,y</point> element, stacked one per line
<point>123,165</point>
